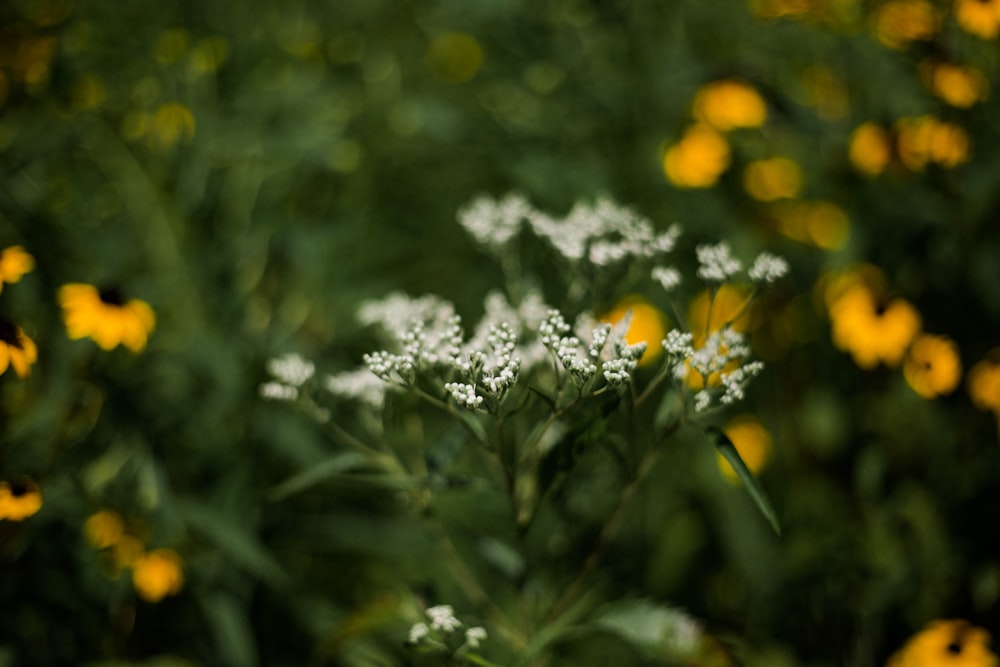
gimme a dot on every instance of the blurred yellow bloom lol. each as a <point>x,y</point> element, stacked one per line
<point>819,223</point>
<point>104,529</point>
<point>648,325</point>
<point>932,366</point>
<point>775,178</point>
<point>127,551</point>
<point>946,644</point>
<point>773,9</point>
<point>984,382</point>
<point>899,22</point>
<point>871,149</point>
<point>171,123</point>
<point>158,574</point>
<point>729,104</point>
<point>106,317</point>
<point>19,500</point>
<point>698,159</point>
<point>89,92</point>
<point>926,139</point>
<point>752,441</point>
<point>14,263</point>
<point>958,86</point>
<point>454,57</point>
<point>208,55</point>
<point>979,17</point>
<point>871,329</point>
<point>17,351</point>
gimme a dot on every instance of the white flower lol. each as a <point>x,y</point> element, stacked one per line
<point>418,632</point>
<point>717,262</point>
<point>278,392</point>
<point>443,618</point>
<point>667,276</point>
<point>702,400</point>
<point>291,369</point>
<point>474,636</point>
<point>464,394</point>
<point>494,223</point>
<point>360,384</point>
<point>767,268</point>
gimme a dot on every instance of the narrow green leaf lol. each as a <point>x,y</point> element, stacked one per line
<point>318,473</point>
<point>655,629</point>
<point>231,629</point>
<point>725,447</point>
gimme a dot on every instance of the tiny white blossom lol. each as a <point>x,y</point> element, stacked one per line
<point>475,636</point>
<point>278,392</point>
<point>360,384</point>
<point>679,344</point>
<point>767,268</point>
<point>418,632</point>
<point>291,369</point>
<point>702,400</point>
<point>443,618</point>
<point>464,394</point>
<point>667,276</point>
<point>717,263</point>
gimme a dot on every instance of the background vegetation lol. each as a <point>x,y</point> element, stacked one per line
<point>255,171</point>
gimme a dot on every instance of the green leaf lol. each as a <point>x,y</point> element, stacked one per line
<point>545,397</point>
<point>231,630</point>
<point>725,447</point>
<point>233,540</point>
<point>655,629</point>
<point>336,464</point>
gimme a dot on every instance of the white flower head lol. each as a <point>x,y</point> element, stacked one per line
<point>278,392</point>
<point>668,277</point>
<point>475,636</point>
<point>360,384</point>
<point>717,263</point>
<point>494,223</point>
<point>767,268</point>
<point>443,618</point>
<point>418,632</point>
<point>464,394</point>
<point>291,369</point>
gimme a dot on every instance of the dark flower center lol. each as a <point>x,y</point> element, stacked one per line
<point>112,296</point>
<point>18,489</point>
<point>954,648</point>
<point>9,334</point>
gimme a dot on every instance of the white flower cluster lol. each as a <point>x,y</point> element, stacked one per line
<point>667,276</point>
<point>767,268</point>
<point>360,384</point>
<point>464,394</point>
<point>724,349</point>
<point>494,223</point>
<point>603,233</point>
<point>607,351</point>
<point>716,263</point>
<point>444,622</point>
<point>290,372</point>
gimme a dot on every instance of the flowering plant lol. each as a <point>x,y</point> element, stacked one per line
<point>526,394</point>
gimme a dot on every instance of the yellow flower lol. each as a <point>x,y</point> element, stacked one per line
<point>752,441</point>
<point>932,366</point>
<point>958,86</point>
<point>19,500</point>
<point>871,149</point>
<point>698,159</point>
<point>946,644</point>
<point>158,574</point>
<point>984,382</point>
<point>872,329</point>
<point>106,317</point>
<point>926,139</point>
<point>171,123</point>
<point>16,349</point>
<point>454,57</point>
<point>899,22</point>
<point>104,529</point>
<point>14,263</point>
<point>647,325</point>
<point>729,104</point>
<point>776,178</point>
<point>979,17</point>
<point>819,223</point>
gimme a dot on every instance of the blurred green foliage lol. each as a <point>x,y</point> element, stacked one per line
<point>255,171</point>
